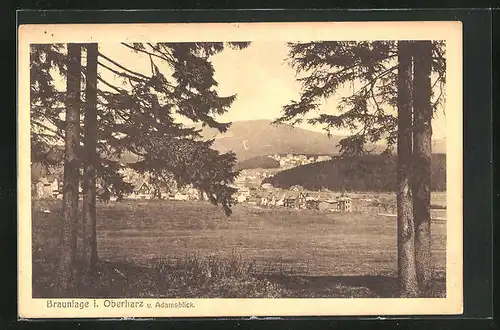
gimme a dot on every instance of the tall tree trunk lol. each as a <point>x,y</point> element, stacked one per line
<point>71,171</point>
<point>406,230</point>
<point>421,179</point>
<point>89,172</point>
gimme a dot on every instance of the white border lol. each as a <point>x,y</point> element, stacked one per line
<point>451,32</point>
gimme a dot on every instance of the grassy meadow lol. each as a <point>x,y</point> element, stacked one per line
<point>191,249</point>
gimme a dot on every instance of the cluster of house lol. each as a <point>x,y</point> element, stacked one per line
<point>47,187</point>
<point>290,160</point>
<point>253,176</point>
<point>146,191</point>
<point>293,199</point>
<point>50,187</point>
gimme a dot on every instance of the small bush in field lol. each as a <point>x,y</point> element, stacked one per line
<point>192,268</point>
<point>214,277</point>
<point>251,287</point>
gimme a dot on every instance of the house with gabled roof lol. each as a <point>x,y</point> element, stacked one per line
<point>268,198</point>
<point>297,201</point>
<point>143,191</point>
<point>280,199</point>
<point>46,181</point>
<point>312,204</point>
<point>344,204</point>
<point>301,202</point>
<point>48,186</point>
<point>289,199</point>
<point>314,196</point>
<point>313,199</point>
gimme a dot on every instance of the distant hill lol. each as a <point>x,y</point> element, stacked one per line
<point>356,173</point>
<point>255,138</point>
<point>259,137</point>
<point>258,162</point>
<point>252,138</point>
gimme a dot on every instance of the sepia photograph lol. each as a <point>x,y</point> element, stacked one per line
<point>182,169</point>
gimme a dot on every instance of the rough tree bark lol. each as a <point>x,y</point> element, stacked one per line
<point>422,134</point>
<point>89,172</point>
<point>71,171</point>
<point>406,251</point>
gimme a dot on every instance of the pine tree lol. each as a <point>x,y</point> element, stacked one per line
<point>71,170</point>
<point>141,120</point>
<point>422,135</point>
<point>89,223</point>
<point>369,112</point>
<point>406,226</point>
<point>136,118</point>
<point>46,104</point>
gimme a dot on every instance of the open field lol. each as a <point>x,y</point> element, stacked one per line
<point>296,253</point>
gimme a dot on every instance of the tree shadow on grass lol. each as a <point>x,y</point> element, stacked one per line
<point>357,286</point>
<point>123,279</point>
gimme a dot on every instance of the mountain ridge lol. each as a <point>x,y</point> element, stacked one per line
<point>259,137</point>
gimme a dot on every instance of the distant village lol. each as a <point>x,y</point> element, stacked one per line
<point>249,185</point>
<point>289,161</point>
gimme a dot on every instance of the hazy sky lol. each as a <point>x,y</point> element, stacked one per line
<point>259,76</point>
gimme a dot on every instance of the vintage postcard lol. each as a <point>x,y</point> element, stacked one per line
<point>227,169</point>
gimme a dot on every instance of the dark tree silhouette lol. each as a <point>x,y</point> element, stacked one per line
<point>136,115</point>
<point>422,142</point>
<point>46,104</point>
<point>71,170</point>
<point>141,120</point>
<point>354,173</point>
<point>90,162</point>
<point>406,226</point>
<point>370,114</point>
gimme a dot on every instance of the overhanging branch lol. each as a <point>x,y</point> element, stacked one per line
<point>124,68</point>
